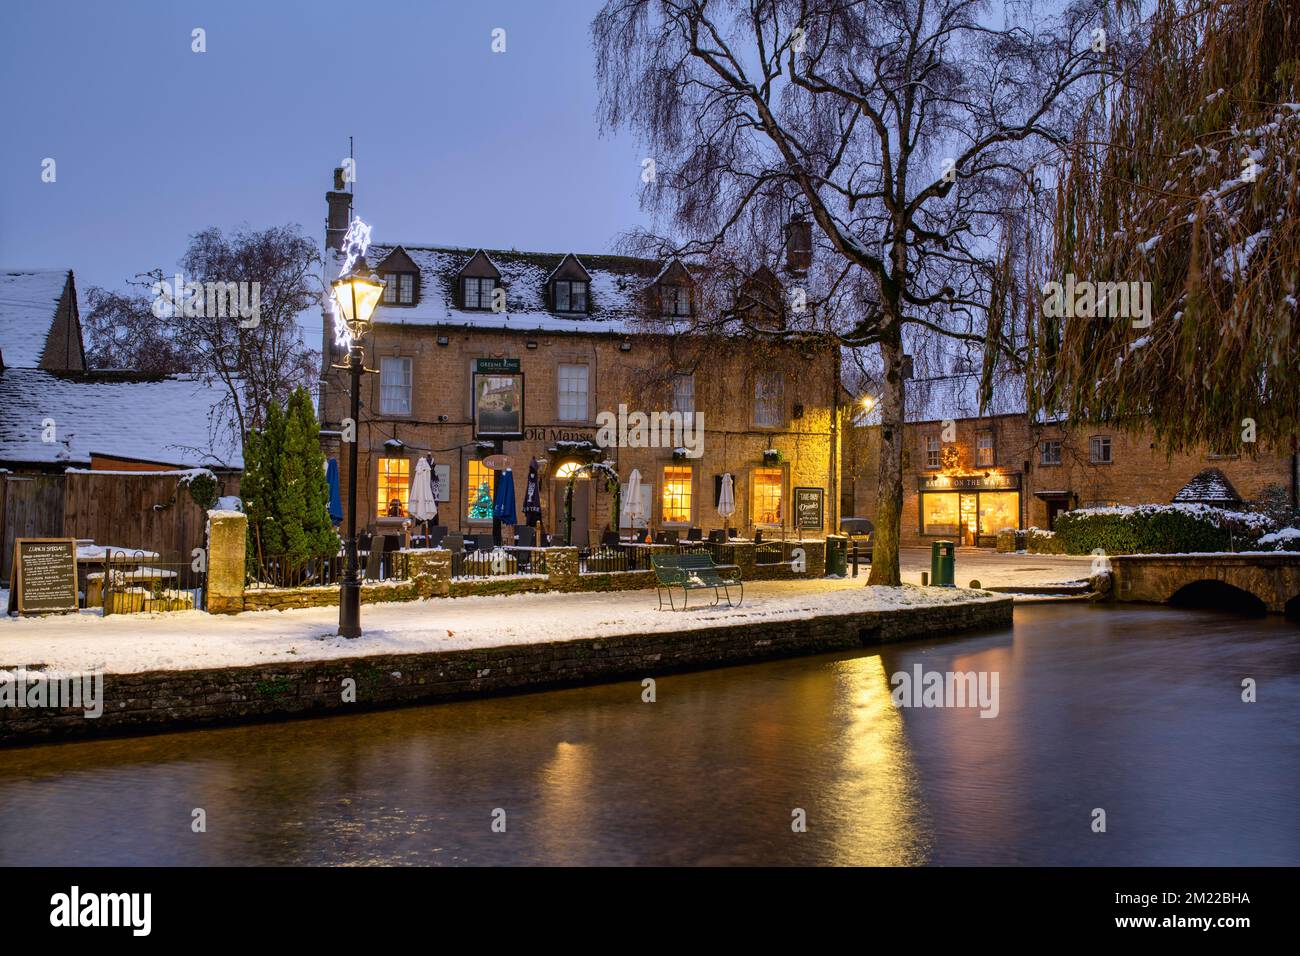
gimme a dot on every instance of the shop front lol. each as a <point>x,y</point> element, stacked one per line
<point>969,509</point>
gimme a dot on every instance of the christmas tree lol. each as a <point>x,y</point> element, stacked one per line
<point>481,509</point>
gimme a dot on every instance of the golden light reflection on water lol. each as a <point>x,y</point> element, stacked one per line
<point>873,796</point>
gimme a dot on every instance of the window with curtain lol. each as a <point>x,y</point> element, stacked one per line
<point>684,394</point>
<point>570,296</point>
<point>984,449</point>
<point>677,494</point>
<point>395,386</point>
<point>572,381</point>
<point>1049,453</point>
<point>931,451</point>
<point>767,495</point>
<point>769,394</point>
<point>477,293</point>
<point>1099,450</point>
<point>394,487</point>
<point>481,481</point>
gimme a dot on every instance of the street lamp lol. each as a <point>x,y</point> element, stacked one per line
<point>355,296</point>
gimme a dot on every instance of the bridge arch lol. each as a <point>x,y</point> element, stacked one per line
<point>1219,595</point>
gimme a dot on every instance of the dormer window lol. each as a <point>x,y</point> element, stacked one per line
<point>570,295</point>
<point>476,292</point>
<point>399,288</point>
<point>675,300</point>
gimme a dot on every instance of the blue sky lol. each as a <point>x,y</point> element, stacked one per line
<point>153,142</point>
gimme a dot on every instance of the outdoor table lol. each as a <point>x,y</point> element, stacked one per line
<point>136,577</point>
<point>91,555</point>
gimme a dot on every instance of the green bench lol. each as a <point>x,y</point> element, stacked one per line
<point>694,572</point>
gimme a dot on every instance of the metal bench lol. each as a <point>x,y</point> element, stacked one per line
<point>694,572</point>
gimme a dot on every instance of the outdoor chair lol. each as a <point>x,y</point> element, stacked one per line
<point>437,535</point>
<point>666,537</point>
<point>609,539</point>
<point>526,537</point>
<point>455,543</point>
<point>373,558</point>
<point>758,536</point>
<point>718,537</point>
<point>483,542</point>
<point>695,534</point>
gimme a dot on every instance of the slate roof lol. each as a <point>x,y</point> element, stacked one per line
<point>168,420</point>
<point>29,300</point>
<point>1209,487</point>
<point>615,302</point>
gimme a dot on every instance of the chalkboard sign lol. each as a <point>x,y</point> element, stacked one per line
<point>44,576</point>
<point>808,509</point>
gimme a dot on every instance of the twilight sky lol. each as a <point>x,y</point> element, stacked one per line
<point>454,143</point>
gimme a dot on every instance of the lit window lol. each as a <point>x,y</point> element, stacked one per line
<point>677,494</point>
<point>768,400</point>
<point>999,510</point>
<point>684,393</point>
<point>984,449</point>
<point>940,514</point>
<point>675,299</point>
<point>395,386</point>
<point>478,292</point>
<point>573,392</point>
<point>932,451</point>
<point>1049,453</point>
<point>394,487</point>
<point>482,485</point>
<point>767,496</point>
<point>570,296</point>
<point>1099,450</point>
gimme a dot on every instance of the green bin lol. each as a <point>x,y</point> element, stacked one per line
<point>837,555</point>
<point>943,558</point>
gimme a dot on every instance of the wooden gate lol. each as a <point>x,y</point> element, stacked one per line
<point>32,508</point>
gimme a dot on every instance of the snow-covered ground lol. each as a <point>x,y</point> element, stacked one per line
<point>191,639</point>
<point>995,570</point>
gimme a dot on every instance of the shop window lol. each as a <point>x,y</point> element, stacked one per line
<point>394,487</point>
<point>482,485</point>
<point>767,495</point>
<point>984,457</point>
<point>998,510</point>
<point>677,494</point>
<point>940,513</point>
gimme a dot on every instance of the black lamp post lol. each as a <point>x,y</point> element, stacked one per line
<point>355,296</point>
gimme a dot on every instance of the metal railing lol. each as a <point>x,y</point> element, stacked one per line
<point>131,582</point>
<point>506,561</point>
<point>278,571</point>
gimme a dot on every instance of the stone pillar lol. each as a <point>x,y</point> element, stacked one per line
<point>561,569</point>
<point>815,556</point>
<point>431,571</point>
<point>744,558</point>
<point>227,541</point>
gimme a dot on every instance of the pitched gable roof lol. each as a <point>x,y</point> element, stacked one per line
<point>32,303</point>
<point>1209,487</point>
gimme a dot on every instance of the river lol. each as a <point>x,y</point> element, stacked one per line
<point>1133,710</point>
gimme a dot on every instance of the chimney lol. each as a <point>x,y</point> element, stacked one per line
<point>339,205</point>
<point>798,245</point>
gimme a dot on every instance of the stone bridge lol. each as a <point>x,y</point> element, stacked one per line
<point>1272,579</point>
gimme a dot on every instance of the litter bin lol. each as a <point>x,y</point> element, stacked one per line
<point>942,560</point>
<point>837,555</point>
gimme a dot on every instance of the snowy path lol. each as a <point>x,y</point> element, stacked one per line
<point>1000,570</point>
<point>191,639</point>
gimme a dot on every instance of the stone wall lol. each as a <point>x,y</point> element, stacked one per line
<point>157,700</point>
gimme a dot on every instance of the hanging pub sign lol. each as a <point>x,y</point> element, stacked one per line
<point>44,576</point>
<point>498,462</point>
<point>808,509</point>
<point>498,399</point>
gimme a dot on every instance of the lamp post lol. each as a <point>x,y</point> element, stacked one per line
<point>355,295</point>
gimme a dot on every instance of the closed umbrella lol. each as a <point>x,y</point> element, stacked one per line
<point>726,500</point>
<point>532,497</point>
<point>503,505</point>
<point>336,500</point>
<point>422,505</point>
<point>632,499</point>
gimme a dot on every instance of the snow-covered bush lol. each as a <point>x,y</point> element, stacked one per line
<point>1284,539</point>
<point>1158,529</point>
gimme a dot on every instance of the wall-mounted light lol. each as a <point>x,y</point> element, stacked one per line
<point>442,340</point>
<point>625,346</point>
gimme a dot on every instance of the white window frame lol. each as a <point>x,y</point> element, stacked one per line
<point>1046,447</point>
<point>392,392</point>
<point>981,447</point>
<point>566,409</point>
<point>481,301</point>
<point>1095,444</point>
<point>932,448</point>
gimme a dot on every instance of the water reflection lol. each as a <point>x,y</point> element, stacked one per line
<point>1136,710</point>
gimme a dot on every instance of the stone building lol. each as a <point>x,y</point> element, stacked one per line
<point>968,475</point>
<point>590,334</point>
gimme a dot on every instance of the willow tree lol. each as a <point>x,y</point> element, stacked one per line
<point>899,128</point>
<point>1183,175</point>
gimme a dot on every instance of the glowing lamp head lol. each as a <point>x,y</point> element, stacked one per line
<point>356,296</point>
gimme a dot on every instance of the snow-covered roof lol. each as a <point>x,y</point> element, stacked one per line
<point>1209,487</point>
<point>614,299</point>
<point>171,420</point>
<point>958,396</point>
<point>29,301</point>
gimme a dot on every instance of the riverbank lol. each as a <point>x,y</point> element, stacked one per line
<point>187,668</point>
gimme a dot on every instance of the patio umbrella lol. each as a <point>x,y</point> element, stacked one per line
<point>336,500</point>
<point>532,497</point>
<point>632,499</point>
<point>422,504</point>
<point>726,500</point>
<point>503,505</point>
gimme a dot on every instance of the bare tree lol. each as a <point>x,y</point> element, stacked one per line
<point>257,359</point>
<point>901,128</point>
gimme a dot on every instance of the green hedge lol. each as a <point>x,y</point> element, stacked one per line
<point>1157,529</point>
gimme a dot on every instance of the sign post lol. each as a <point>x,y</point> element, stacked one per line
<point>44,576</point>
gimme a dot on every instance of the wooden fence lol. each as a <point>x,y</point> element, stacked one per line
<point>150,511</point>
